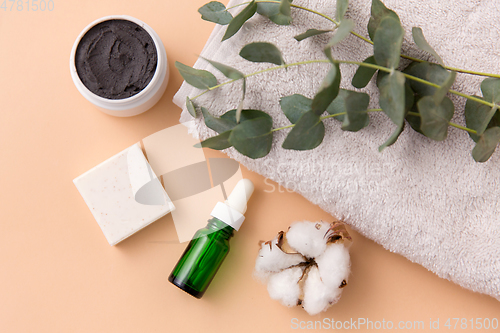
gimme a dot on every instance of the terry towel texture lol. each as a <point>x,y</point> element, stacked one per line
<point>428,201</point>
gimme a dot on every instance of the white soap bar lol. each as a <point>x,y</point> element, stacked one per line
<point>124,194</point>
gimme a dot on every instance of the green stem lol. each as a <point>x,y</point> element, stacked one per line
<point>416,114</point>
<point>462,128</point>
<point>307,10</point>
<point>417,79</point>
<point>459,70</point>
<point>343,113</point>
<point>281,128</point>
<point>260,72</point>
<point>291,5</point>
<point>323,118</point>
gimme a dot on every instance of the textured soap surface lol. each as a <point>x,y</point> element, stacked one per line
<point>124,194</point>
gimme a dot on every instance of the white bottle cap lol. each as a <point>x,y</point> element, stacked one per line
<point>231,212</point>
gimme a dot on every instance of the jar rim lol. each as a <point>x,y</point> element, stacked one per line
<point>122,104</point>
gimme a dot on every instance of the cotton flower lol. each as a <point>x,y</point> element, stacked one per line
<point>308,265</point>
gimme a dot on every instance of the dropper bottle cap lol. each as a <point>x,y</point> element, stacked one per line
<point>231,211</point>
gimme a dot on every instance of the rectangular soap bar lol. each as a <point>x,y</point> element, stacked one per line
<point>124,194</point>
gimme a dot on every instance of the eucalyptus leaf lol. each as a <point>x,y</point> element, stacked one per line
<point>229,72</point>
<point>218,142</point>
<point>328,53</point>
<point>409,97</point>
<point>393,138</point>
<point>435,118</point>
<point>253,138</point>
<point>387,42</point>
<point>233,74</point>
<point>191,107</point>
<point>378,12</point>
<point>414,121</point>
<point>478,117</point>
<point>430,72</point>
<point>338,105</point>
<point>307,133</point>
<point>272,11</point>
<point>268,9</point>
<point>418,37</point>
<point>490,87</point>
<point>495,121</point>
<point>262,52</point>
<point>352,107</point>
<point>238,21</point>
<point>283,17</point>
<point>240,106</point>
<point>409,93</point>
<point>285,8</point>
<point>216,12</point>
<point>364,74</point>
<point>486,144</point>
<point>219,125</point>
<point>310,33</point>
<point>342,31</point>
<point>294,106</point>
<point>198,78</point>
<point>247,114</point>
<point>392,96</point>
<point>357,117</point>
<point>341,9</point>
<point>328,90</point>
<point>445,87</point>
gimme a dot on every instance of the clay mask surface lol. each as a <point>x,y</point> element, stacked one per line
<point>116,59</point>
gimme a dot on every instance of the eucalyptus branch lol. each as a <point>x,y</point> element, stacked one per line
<point>362,64</point>
<point>415,95</point>
<point>336,23</point>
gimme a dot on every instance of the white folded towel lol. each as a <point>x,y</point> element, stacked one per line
<point>426,200</point>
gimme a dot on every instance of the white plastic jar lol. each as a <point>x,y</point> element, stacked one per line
<point>143,100</point>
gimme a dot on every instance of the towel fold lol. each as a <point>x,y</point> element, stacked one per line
<point>426,200</point>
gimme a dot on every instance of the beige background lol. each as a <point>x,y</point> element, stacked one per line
<point>57,272</point>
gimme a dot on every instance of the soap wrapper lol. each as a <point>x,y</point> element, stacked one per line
<point>124,194</point>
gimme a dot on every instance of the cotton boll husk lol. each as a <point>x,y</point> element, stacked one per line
<point>317,296</point>
<point>334,265</point>
<point>308,238</point>
<point>272,259</point>
<point>284,286</point>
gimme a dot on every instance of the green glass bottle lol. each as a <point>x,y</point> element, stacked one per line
<point>202,258</point>
<point>209,247</point>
